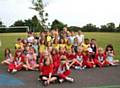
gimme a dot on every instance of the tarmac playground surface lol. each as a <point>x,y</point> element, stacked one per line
<point>107,77</point>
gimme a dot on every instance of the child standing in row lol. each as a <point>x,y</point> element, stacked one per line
<point>93,46</point>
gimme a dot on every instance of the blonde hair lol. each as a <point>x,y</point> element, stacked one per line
<point>100,50</point>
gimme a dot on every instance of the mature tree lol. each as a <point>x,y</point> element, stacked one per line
<point>118,28</point>
<point>1,24</point>
<point>36,25</point>
<point>18,23</point>
<point>111,27</point>
<point>57,24</point>
<point>90,28</point>
<point>103,28</point>
<point>32,23</point>
<point>39,5</point>
<point>74,28</point>
<point>28,22</point>
<point>2,30</point>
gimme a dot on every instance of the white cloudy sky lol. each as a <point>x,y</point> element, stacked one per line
<point>71,12</point>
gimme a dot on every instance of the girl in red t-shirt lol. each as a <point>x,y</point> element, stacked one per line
<point>71,56</point>
<point>100,58</point>
<point>88,60</point>
<point>79,58</point>
<point>64,70</point>
<point>56,59</point>
<point>46,71</point>
<point>17,64</point>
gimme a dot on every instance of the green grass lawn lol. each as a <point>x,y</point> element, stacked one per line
<point>107,38</point>
<point>8,41</point>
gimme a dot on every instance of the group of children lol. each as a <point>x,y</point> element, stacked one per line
<point>55,53</point>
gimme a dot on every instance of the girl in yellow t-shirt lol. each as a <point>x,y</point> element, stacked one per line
<point>42,47</point>
<point>68,45</point>
<point>62,43</point>
<point>65,38</point>
<point>19,44</point>
<point>49,47</point>
<point>55,44</point>
<point>48,37</point>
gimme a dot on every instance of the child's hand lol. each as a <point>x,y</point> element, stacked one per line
<point>67,66</point>
<point>41,64</point>
<point>40,73</point>
<point>111,54</point>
